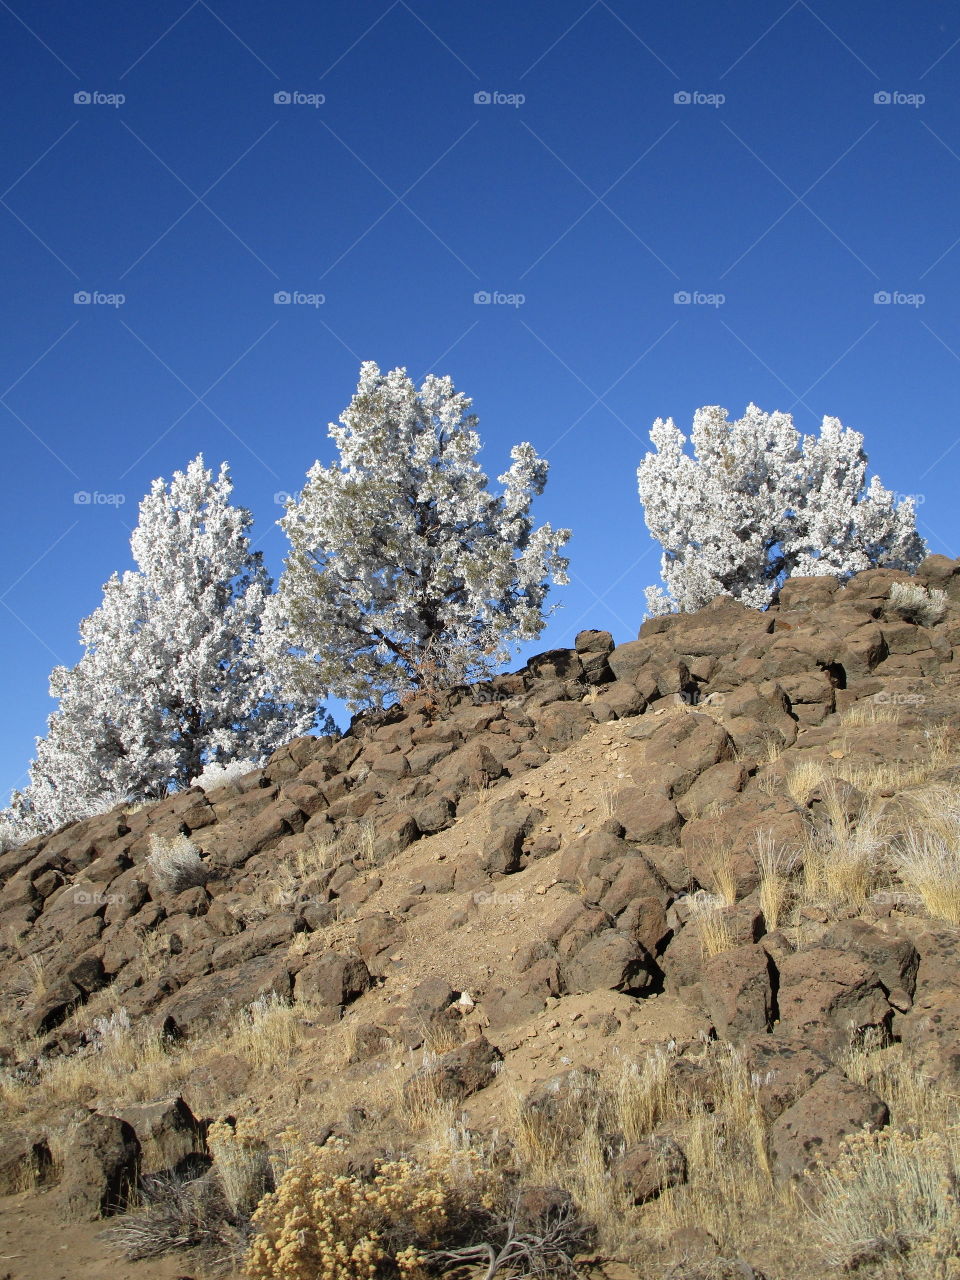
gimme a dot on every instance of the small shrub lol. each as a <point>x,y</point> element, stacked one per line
<point>241,1165</point>
<point>322,1221</point>
<point>176,1214</point>
<point>918,604</point>
<point>218,775</point>
<point>175,864</point>
<point>891,1198</point>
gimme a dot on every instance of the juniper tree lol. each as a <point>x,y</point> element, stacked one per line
<point>171,676</point>
<point>759,502</point>
<point>404,570</point>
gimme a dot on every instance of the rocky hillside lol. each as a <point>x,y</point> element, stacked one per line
<point>665,898</point>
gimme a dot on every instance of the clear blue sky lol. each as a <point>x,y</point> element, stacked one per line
<point>598,198</point>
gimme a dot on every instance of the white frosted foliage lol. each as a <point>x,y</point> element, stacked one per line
<point>405,571</point>
<point>758,502</point>
<point>172,676</point>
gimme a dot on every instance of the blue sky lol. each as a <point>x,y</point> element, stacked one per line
<point>579,180</point>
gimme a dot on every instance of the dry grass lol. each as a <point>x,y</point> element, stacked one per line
<point>845,857</point>
<point>927,857</point>
<point>890,1200</point>
<point>709,916</point>
<point>804,777</point>
<point>776,865</point>
<point>717,857</point>
<point>268,1032</point>
<point>175,864</point>
<point>870,711</point>
<point>242,1164</point>
<point>923,605</point>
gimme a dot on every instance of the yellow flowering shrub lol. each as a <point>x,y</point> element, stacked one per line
<point>322,1223</point>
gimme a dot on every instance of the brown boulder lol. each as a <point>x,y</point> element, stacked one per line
<point>333,980</point>
<point>813,1128</point>
<point>100,1160</point>
<point>647,817</point>
<point>894,958</point>
<point>611,961</point>
<point>458,1074</point>
<point>564,1102</point>
<point>737,991</point>
<point>649,1168</point>
<point>716,788</point>
<point>782,1069</point>
<point>829,997</point>
<point>170,1137</point>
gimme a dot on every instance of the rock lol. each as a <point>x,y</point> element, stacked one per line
<point>100,1165</point>
<point>829,997</point>
<point>813,1128</point>
<point>275,931</point>
<point>617,700</point>
<point>737,991</point>
<point>812,592</point>
<point>932,1029</point>
<point>894,958</point>
<point>782,1069</point>
<point>647,817</point>
<point>458,1074</point>
<point>333,980</point>
<point>212,998</point>
<point>170,1137</point>
<point>593,649</point>
<point>634,879</point>
<point>433,814</point>
<point>25,1161</point>
<point>559,724</point>
<point>395,835</point>
<point>716,788</point>
<point>563,1103</point>
<point>56,1004</point>
<point>508,824</point>
<point>649,1168</point>
<point>432,997</point>
<point>212,1087</point>
<point>612,961</point>
<point>538,1208</point>
<point>942,574</point>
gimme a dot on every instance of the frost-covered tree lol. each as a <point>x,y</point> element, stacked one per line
<point>404,571</point>
<point>759,502</point>
<point>172,675</point>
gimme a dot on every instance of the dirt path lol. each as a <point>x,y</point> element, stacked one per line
<point>36,1245</point>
